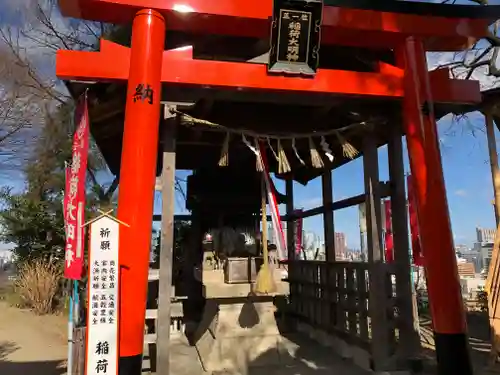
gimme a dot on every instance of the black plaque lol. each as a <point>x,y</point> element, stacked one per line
<point>295,37</point>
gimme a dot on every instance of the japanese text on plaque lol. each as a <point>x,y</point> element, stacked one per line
<point>294,36</point>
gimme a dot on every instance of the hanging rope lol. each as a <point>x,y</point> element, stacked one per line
<point>188,121</point>
<point>348,150</point>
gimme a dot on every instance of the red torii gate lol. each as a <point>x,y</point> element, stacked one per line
<point>146,62</point>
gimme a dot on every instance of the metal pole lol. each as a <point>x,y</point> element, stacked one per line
<point>70,331</point>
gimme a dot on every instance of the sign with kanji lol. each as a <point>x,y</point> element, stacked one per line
<point>74,195</point>
<point>143,93</point>
<point>295,36</point>
<point>103,293</point>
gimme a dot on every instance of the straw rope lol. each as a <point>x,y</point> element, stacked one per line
<point>348,150</point>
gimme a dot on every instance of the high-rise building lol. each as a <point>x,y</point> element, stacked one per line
<point>340,245</point>
<point>484,245</point>
<point>485,235</point>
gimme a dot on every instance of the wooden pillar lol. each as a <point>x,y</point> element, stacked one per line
<point>166,250</point>
<point>290,225</point>
<point>137,181</point>
<point>193,272</point>
<point>493,270</point>
<point>377,275</point>
<point>495,172</point>
<point>409,338</point>
<point>328,216</point>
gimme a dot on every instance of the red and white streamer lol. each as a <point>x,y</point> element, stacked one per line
<point>273,205</point>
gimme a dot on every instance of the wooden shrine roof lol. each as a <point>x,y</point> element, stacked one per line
<point>261,112</point>
<point>200,147</point>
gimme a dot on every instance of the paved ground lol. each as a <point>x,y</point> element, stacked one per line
<point>307,358</point>
<point>479,340</point>
<point>36,345</point>
<point>30,344</point>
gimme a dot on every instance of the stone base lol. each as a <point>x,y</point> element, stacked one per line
<point>238,336</point>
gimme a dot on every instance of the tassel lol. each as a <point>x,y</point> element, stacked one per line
<point>348,149</point>
<point>326,149</point>
<point>255,150</point>
<point>315,157</point>
<point>272,150</point>
<point>283,164</point>
<point>224,154</point>
<point>297,153</point>
<point>259,166</point>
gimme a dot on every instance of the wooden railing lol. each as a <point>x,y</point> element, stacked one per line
<point>334,297</point>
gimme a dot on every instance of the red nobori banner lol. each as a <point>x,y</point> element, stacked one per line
<point>298,233</point>
<point>414,230</point>
<point>389,241</point>
<point>74,199</point>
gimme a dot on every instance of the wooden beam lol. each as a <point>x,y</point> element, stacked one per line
<point>384,190</point>
<point>495,172</point>
<point>166,253</point>
<point>290,227</point>
<point>328,219</point>
<point>408,324</point>
<point>377,273</point>
<point>341,25</point>
<point>338,205</point>
<point>181,70</point>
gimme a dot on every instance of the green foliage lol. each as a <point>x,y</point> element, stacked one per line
<point>45,169</point>
<point>36,227</point>
<point>33,219</point>
<point>181,234</point>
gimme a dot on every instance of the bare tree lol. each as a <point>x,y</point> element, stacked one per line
<point>480,61</point>
<point>29,91</point>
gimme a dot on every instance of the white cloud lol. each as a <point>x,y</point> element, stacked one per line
<point>460,193</point>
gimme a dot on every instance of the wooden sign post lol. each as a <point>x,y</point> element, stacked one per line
<point>103,292</point>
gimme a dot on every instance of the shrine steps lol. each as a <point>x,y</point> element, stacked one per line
<point>178,344</point>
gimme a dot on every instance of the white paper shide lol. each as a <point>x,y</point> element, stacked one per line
<point>102,328</point>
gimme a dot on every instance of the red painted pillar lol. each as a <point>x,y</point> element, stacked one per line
<point>137,181</point>
<point>436,237</point>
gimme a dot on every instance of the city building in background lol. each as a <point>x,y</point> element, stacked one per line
<point>340,245</point>
<point>472,256</point>
<point>485,235</point>
<point>484,245</point>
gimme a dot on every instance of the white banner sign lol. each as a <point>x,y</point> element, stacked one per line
<point>103,293</point>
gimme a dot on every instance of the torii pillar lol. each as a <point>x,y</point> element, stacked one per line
<point>443,283</point>
<point>137,181</point>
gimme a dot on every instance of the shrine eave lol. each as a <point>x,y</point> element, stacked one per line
<point>180,69</point>
<point>453,29</point>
